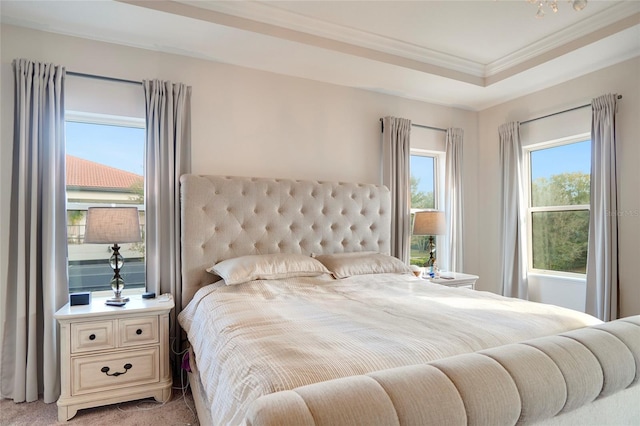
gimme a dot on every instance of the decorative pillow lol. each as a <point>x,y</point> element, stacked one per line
<point>343,265</point>
<point>267,267</point>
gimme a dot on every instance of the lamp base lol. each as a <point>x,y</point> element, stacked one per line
<point>118,300</point>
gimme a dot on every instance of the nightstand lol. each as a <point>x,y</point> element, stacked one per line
<point>113,354</point>
<point>457,279</point>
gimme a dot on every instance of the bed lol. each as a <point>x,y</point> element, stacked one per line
<point>315,324</point>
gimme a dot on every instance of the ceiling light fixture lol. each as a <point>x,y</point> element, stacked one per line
<point>577,5</point>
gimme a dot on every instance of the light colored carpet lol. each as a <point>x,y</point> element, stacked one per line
<point>179,411</point>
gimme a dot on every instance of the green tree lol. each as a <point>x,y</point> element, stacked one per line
<point>74,217</point>
<point>419,199</point>
<point>137,189</point>
<point>565,189</point>
<point>560,237</point>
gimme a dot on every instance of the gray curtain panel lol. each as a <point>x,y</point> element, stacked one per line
<point>36,283</point>
<point>396,146</point>
<point>453,196</point>
<point>168,156</point>
<point>514,210</point>
<point>602,257</point>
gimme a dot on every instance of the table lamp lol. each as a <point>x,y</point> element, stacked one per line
<point>429,222</point>
<point>113,225</point>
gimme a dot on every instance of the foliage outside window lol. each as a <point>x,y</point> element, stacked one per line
<point>105,157</point>
<point>423,196</point>
<point>559,207</point>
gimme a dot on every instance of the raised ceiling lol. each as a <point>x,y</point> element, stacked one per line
<point>467,54</point>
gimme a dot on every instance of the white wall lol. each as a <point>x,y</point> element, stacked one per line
<point>623,79</point>
<point>244,122</point>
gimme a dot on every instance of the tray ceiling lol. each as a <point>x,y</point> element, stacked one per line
<point>467,54</point>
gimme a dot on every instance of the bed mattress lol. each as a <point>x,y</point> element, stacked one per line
<point>266,336</point>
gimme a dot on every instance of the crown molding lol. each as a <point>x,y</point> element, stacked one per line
<point>567,35</point>
<point>270,14</point>
<point>264,12</point>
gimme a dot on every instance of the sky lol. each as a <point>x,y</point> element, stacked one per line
<point>422,168</point>
<point>115,146</point>
<point>575,157</point>
<point>123,148</point>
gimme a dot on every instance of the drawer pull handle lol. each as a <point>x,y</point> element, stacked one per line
<point>138,332</point>
<point>105,370</point>
<point>92,337</point>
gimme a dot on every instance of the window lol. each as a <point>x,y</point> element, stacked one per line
<point>559,196</point>
<point>425,193</point>
<point>105,159</point>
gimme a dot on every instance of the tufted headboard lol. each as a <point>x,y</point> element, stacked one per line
<point>224,217</point>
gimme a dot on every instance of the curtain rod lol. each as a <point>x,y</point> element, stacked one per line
<point>102,77</point>
<point>418,125</point>
<point>560,112</point>
<point>429,127</point>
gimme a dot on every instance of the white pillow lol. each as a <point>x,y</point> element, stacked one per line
<point>343,265</point>
<point>267,267</point>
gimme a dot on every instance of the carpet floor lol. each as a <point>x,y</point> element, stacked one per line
<point>179,411</point>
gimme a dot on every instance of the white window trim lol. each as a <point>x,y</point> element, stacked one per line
<point>86,206</point>
<point>104,119</point>
<point>530,210</point>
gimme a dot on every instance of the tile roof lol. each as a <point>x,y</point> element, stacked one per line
<point>88,174</point>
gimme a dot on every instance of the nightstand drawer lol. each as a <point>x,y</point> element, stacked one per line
<point>138,331</point>
<point>92,336</point>
<point>97,373</point>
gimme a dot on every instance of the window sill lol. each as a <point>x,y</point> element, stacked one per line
<point>554,275</point>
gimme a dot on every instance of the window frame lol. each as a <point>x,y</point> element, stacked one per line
<point>438,186</point>
<point>438,173</point>
<point>582,137</point>
<point>106,120</point>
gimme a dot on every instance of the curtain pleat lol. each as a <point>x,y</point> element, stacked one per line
<point>453,195</point>
<point>602,255</point>
<point>168,156</point>
<point>514,231</point>
<point>396,137</point>
<point>36,284</point>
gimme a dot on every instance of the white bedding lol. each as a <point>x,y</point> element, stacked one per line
<point>261,337</point>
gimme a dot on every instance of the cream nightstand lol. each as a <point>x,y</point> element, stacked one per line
<point>456,279</point>
<point>113,354</point>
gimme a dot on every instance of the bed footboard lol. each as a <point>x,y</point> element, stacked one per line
<point>583,377</point>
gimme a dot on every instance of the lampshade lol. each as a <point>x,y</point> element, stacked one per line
<point>430,222</point>
<point>112,225</point>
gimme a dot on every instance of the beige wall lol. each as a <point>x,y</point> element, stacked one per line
<point>623,79</point>
<point>254,123</point>
<point>244,122</point>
